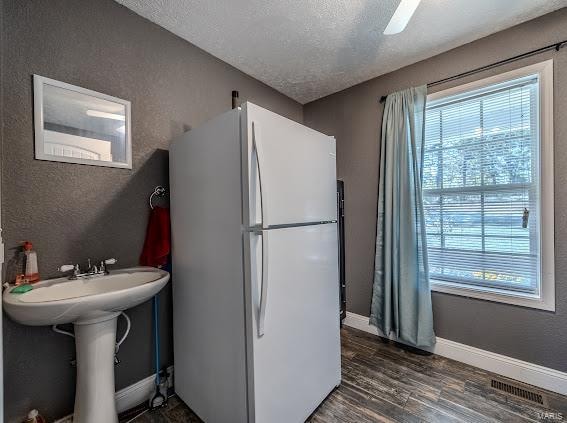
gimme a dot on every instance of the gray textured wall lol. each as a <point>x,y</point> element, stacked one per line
<point>354,117</point>
<point>72,212</point>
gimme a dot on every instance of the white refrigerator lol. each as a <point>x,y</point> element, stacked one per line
<point>255,268</point>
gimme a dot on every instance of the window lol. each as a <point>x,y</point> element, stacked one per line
<point>488,188</point>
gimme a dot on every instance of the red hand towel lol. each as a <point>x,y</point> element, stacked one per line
<point>158,239</point>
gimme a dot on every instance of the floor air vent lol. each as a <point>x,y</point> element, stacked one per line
<point>517,391</point>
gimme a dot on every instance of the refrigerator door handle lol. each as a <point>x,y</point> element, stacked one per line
<point>265,279</point>
<point>257,145</point>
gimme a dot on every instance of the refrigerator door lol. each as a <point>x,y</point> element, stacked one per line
<point>291,171</point>
<point>208,301</point>
<point>295,321</point>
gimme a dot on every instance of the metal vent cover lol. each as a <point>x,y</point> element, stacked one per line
<point>518,391</point>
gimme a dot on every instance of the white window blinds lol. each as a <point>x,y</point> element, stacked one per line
<point>481,187</point>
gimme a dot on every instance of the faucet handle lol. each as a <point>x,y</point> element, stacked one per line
<point>66,268</point>
<point>104,264</point>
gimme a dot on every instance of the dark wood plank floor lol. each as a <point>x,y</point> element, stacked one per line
<point>382,382</point>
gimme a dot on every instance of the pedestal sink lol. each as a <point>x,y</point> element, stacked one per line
<point>92,304</point>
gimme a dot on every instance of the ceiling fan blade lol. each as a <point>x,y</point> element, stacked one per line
<point>401,16</point>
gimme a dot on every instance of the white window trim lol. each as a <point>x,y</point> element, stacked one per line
<point>545,300</point>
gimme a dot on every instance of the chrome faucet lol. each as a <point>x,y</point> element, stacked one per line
<point>101,269</point>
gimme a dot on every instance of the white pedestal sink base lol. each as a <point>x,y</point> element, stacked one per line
<point>93,305</point>
<point>94,398</point>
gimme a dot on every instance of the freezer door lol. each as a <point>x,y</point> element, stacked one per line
<point>291,170</point>
<point>295,321</point>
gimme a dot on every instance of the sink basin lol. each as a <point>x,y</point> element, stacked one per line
<point>57,301</point>
<point>93,305</point>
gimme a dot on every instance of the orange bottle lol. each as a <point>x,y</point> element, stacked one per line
<point>31,273</point>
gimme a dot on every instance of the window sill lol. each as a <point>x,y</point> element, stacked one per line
<point>541,302</point>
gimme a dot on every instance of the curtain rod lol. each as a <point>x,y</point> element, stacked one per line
<point>556,46</point>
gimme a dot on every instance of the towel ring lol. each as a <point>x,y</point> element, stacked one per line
<point>159,191</point>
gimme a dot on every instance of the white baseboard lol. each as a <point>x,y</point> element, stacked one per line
<point>130,396</point>
<point>533,374</point>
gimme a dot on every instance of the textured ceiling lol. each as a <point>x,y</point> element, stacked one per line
<point>308,49</point>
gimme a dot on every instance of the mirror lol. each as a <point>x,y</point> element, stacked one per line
<point>76,125</point>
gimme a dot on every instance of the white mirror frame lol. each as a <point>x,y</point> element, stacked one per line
<point>38,83</point>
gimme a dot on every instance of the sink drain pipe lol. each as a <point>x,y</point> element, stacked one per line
<point>116,348</point>
<point>128,327</point>
<point>62,332</point>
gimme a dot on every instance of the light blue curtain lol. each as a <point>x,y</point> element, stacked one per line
<point>401,297</point>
